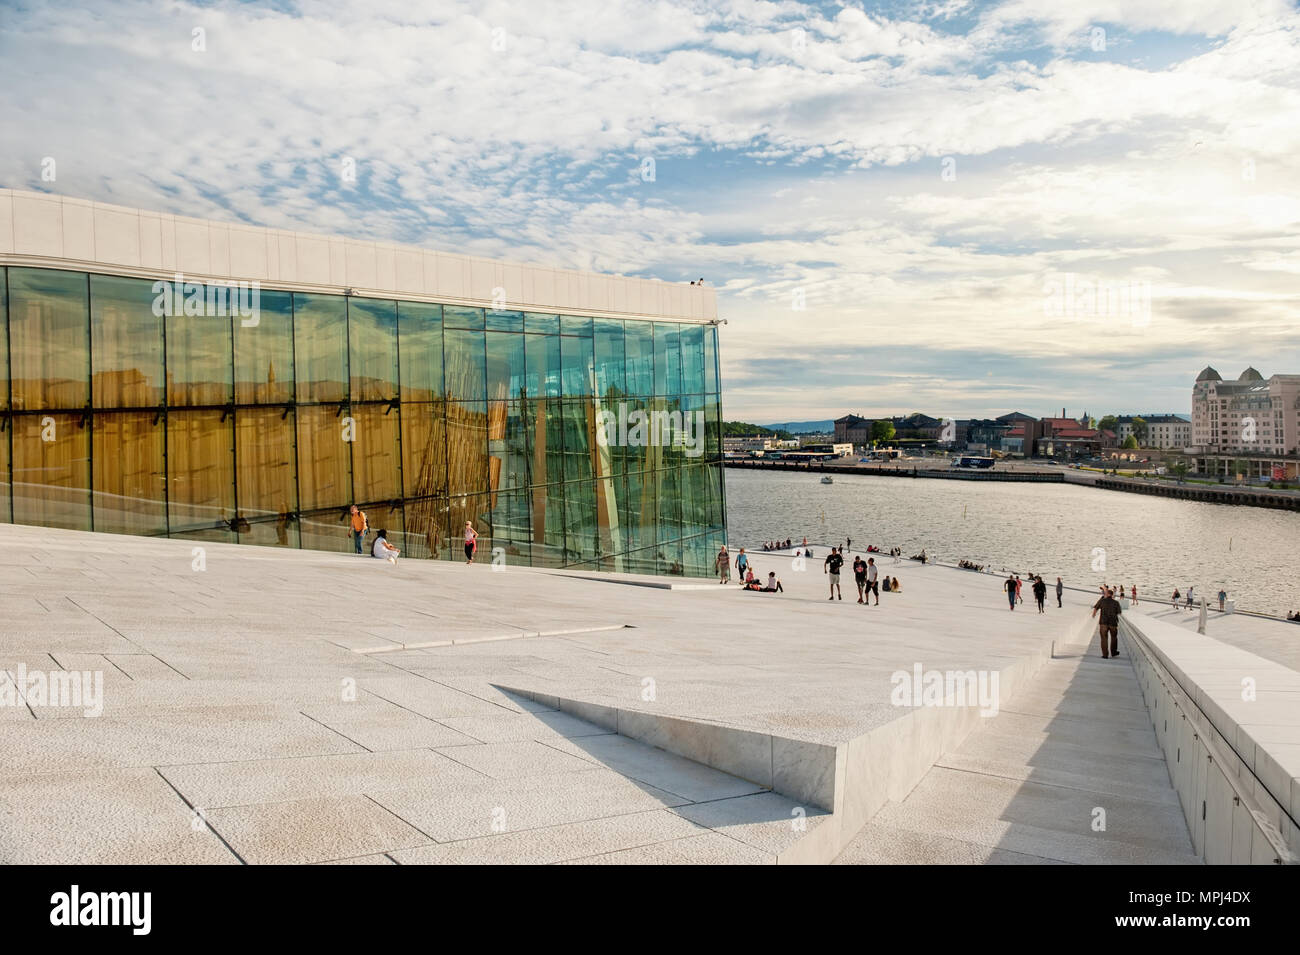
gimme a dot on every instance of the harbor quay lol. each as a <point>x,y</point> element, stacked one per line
<point>197,702</point>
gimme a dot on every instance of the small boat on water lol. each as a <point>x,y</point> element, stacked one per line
<point>827,479</point>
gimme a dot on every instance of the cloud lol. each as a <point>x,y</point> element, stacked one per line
<point>796,150</point>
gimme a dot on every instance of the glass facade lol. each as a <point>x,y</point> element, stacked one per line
<point>565,440</point>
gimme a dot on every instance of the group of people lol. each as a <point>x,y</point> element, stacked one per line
<point>865,574</point>
<point>359,527</point>
<point>1188,599</point>
<point>965,564</point>
<point>1294,617</point>
<point>1013,585</point>
<point>749,578</point>
<point>780,545</point>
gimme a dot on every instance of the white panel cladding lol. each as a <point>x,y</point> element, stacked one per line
<point>78,232</point>
<point>6,223</point>
<point>38,225</point>
<point>48,231</point>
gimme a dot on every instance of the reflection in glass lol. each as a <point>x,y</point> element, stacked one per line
<point>51,470</point>
<point>372,363</point>
<point>324,459</point>
<point>267,476</point>
<point>264,372</point>
<point>419,336</point>
<point>130,492</point>
<point>49,339</point>
<point>320,330</point>
<point>199,360</point>
<point>126,340</point>
<point>201,475</point>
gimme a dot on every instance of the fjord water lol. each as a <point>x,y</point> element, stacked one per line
<point>1053,529</point>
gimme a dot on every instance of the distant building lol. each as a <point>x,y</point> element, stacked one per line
<point>1252,419</point>
<point>853,429</point>
<point>1164,431</point>
<point>750,443</point>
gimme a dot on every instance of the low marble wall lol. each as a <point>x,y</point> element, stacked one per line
<point>1229,724</point>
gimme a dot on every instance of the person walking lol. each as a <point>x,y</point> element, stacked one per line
<point>859,574</point>
<point>359,527</point>
<point>1173,601</point>
<point>1040,593</point>
<point>1060,589</point>
<point>1189,597</point>
<point>722,564</point>
<point>1133,594</point>
<point>1109,624</point>
<point>1223,597</point>
<point>831,565</point>
<point>471,542</point>
<point>742,561</point>
<point>1019,584</point>
<point>873,586</point>
<point>1011,586</point>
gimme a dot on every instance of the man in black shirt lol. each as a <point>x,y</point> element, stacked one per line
<point>1110,611</point>
<point>831,565</point>
<point>860,574</point>
<point>1040,593</point>
<point>1010,588</point>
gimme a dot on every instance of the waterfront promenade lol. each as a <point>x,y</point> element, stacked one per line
<point>306,707</point>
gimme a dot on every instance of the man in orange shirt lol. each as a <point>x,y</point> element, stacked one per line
<point>359,527</point>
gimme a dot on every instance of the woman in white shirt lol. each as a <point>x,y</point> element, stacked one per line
<point>384,550</point>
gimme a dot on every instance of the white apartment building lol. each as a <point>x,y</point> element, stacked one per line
<point>1164,431</point>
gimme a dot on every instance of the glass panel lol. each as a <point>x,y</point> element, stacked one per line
<point>580,522</point>
<point>264,353</point>
<point>579,438</point>
<point>454,316</point>
<point>426,528</point>
<point>548,525</point>
<point>511,530</point>
<point>692,337</point>
<point>51,470</point>
<point>541,324</point>
<point>505,366</point>
<point>610,377</point>
<point>372,334</point>
<point>465,361</point>
<point>199,362</point>
<point>267,476</point>
<point>6,509</point>
<point>320,342</point>
<point>711,359</point>
<point>640,361</point>
<point>127,341</point>
<point>324,461</point>
<point>508,444</point>
<point>503,321</point>
<point>130,489</point>
<point>577,360</point>
<point>375,454</point>
<point>668,360</point>
<point>201,475</point>
<point>543,376</point>
<point>420,350</point>
<point>424,450</point>
<point>573,325</point>
<point>328,529</point>
<point>467,458</point>
<point>49,339</point>
<point>639,512</point>
<point>609,520</point>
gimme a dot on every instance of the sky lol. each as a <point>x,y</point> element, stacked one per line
<point>938,205</point>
